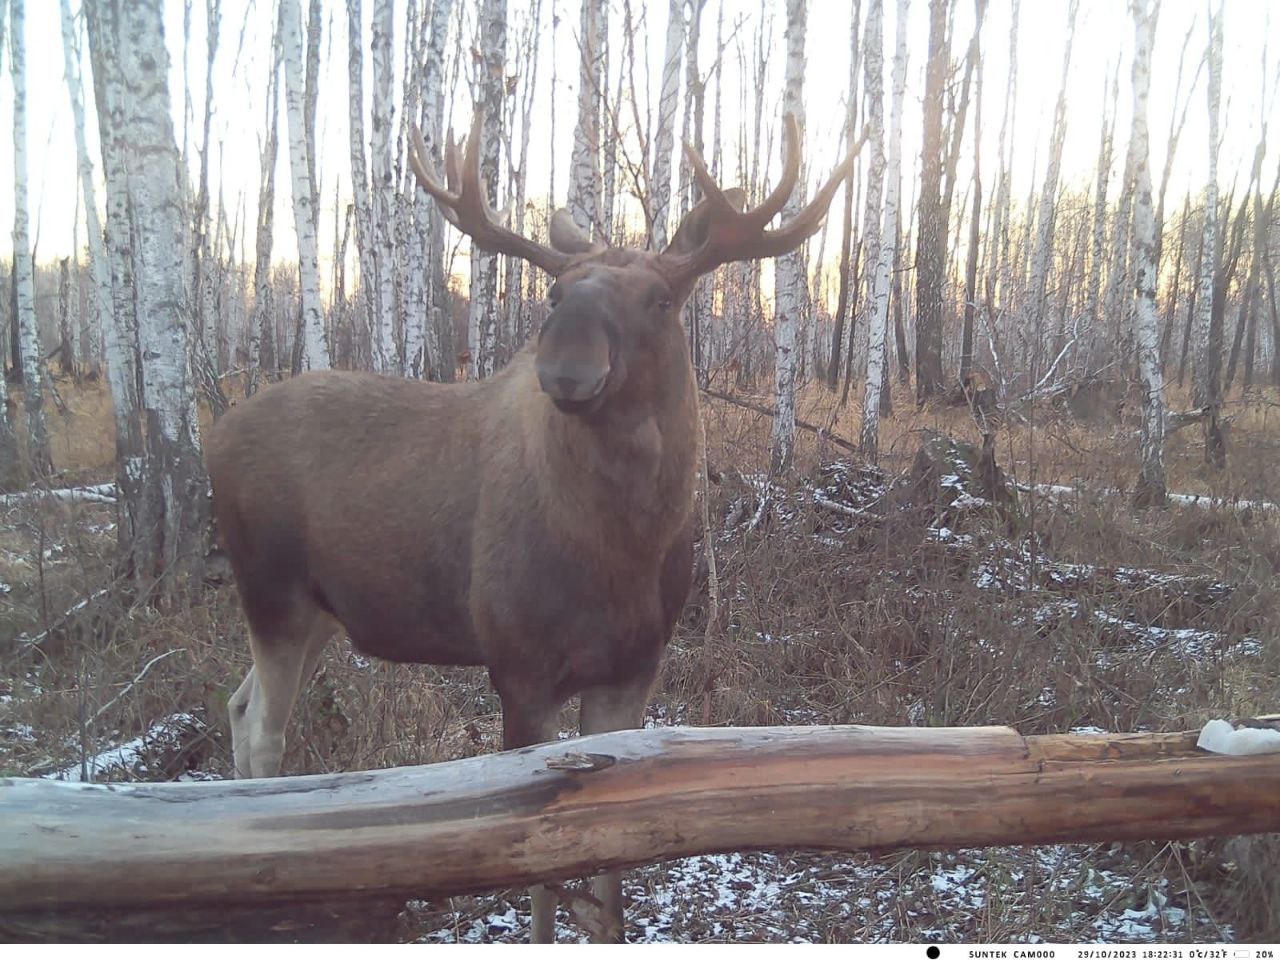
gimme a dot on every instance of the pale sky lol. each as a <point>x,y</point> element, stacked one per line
<point>1104,36</point>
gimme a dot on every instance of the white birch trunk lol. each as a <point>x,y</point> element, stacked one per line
<point>663,139</point>
<point>1118,289</point>
<point>260,318</point>
<point>120,319</point>
<point>367,292</point>
<point>1000,249</point>
<point>483,308</point>
<point>1100,211</point>
<point>175,472</point>
<point>315,343</point>
<point>383,186</point>
<point>608,122</point>
<point>584,165</point>
<point>517,312</point>
<point>427,209</point>
<point>96,317</point>
<point>1203,364</point>
<point>880,282</point>
<point>1151,484</point>
<point>790,269</point>
<point>411,225</point>
<point>23,271</point>
<point>10,463</point>
<point>873,65</point>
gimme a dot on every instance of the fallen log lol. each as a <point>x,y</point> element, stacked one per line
<point>153,861</point>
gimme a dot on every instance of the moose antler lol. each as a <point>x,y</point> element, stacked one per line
<point>463,203</point>
<point>742,235</point>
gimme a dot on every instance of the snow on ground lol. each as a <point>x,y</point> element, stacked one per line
<point>1042,894</point>
<point>131,760</point>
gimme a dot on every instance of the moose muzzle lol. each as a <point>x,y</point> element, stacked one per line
<point>575,353</point>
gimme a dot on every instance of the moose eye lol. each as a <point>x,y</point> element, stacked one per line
<point>664,304</point>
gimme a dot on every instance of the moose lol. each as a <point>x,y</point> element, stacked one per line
<point>538,523</point>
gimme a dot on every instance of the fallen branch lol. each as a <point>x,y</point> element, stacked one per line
<point>1185,499</point>
<point>73,611</point>
<point>823,434</point>
<point>98,493</point>
<point>81,857</point>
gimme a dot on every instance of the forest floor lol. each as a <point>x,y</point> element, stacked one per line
<point>840,602</point>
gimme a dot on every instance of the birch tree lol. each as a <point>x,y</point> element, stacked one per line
<point>315,342</point>
<point>1000,232</point>
<point>120,330</point>
<point>1150,488</point>
<point>932,240</point>
<point>23,270</point>
<point>147,237</point>
<point>848,253</point>
<point>887,255</point>
<point>367,294</point>
<point>1208,348</point>
<point>439,317</point>
<point>1107,135</point>
<point>483,308</point>
<point>201,248</point>
<point>517,314</point>
<point>260,331</point>
<point>99,302</point>
<point>975,237</point>
<point>668,99</point>
<point>383,187</point>
<point>790,270</point>
<point>584,165</point>
<point>10,463</point>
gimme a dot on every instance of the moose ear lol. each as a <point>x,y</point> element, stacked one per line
<point>566,236</point>
<point>692,232</point>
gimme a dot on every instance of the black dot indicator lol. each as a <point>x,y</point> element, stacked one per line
<point>933,953</point>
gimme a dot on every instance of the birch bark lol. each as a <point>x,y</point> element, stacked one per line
<point>790,269</point>
<point>1150,488</point>
<point>383,186</point>
<point>483,309</point>
<point>878,326</point>
<point>315,342</point>
<point>23,271</point>
<point>584,165</point>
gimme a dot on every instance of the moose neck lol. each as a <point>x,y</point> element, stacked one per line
<point>629,462</point>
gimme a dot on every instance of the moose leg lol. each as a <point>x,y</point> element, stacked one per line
<point>523,725</point>
<point>261,705</point>
<point>605,709</point>
<point>238,708</point>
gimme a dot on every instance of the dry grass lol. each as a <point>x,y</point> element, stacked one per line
<point>828,620</point>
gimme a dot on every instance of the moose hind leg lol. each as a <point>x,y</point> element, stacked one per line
<point>604,710</point>
<point>260,708</point>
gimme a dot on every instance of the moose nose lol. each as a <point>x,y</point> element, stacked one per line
<point>573,385</point>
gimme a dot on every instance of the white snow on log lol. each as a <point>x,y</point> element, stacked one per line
<point>1184,499</point>
<point>1219,736</point>
<point>96,493</point>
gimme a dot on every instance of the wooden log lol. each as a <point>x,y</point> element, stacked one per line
<point>74,852</point>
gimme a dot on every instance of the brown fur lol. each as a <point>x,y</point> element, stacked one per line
<point>477,523</point>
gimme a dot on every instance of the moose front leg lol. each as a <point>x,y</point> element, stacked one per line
<point>525,723</point>
<point>605,709</point>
